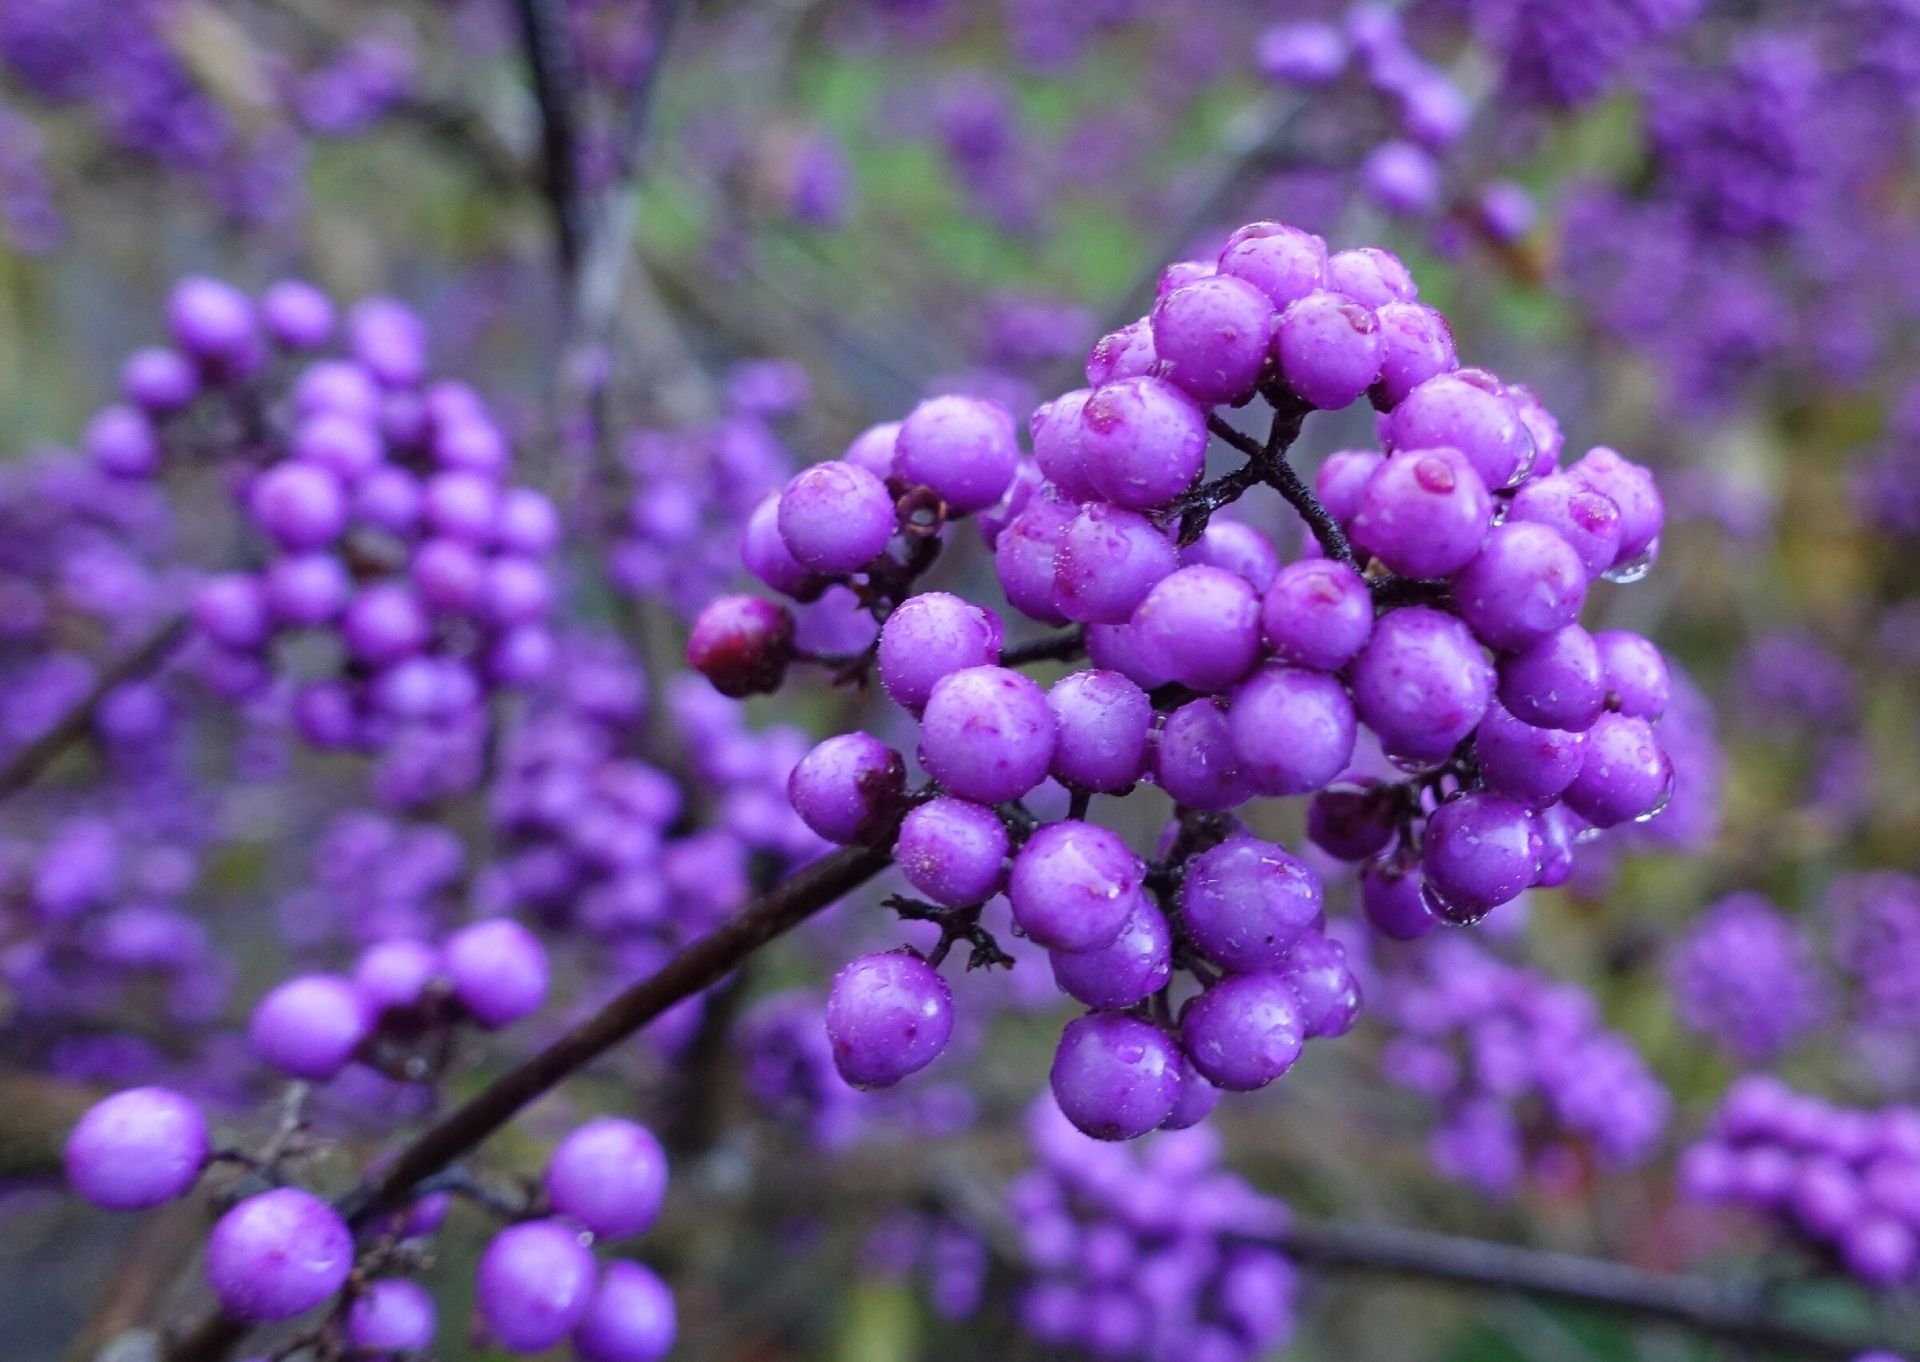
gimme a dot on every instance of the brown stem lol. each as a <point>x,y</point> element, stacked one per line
<point>1061,647</point>
<point>31,762</point>
<point>549,52</point>
<point>1698,1304</point>
<point>1693,1303</point>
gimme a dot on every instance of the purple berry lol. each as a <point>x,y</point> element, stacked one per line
<point>1631,488</point>
<point>1114,1076</point>
<point>765,554</point>
<point>610,1175</point>
<point>1107,561</point>
<point>1416,344</point>
<point>987,734</point>
<point>1556,682</point>
<point>137,1149</point>
<point>1101,722</point>
<point>1283,262</point>
<point>1328,350</point>
<point>1292,729</point>
<point>1424,513</point>
<point>1342,479</point>
<point>1196,1102</point>
<point>299,505</point>
<point>1246,902</point>
<point>835,518</point>
<point>1201,627</point>
<point>297,315</point>
<point>159,380</point>
<point>873,449</point>
<point>1211,335</point>
<point>846,787</point>
<point>1525,584</point>
<point>1133,966</point>
<point>1525,762</point>
<point>122,442</point>
<point>533,1284</point>
<point>1624,774</point>
<point>390,339</point>
<point>952,851</point>
<point>1237,548</point>
<point>1421,683</point>
<point>1244,1031</point>
<point>962,447</point>
<point>1638,682</point>
<point>395,973</point>
<point>1307,52</point>
<point>888,1016</point>
<point>306,589</point>
<point>630,1317</point>
<point>930,637</point>
<point>384,623</point>
<point>310,1026</point>
<point>277,1255</point>
<point>1318,613</point>
<point>1144,441</point>
<point>1126,353</point>
<point>213,321</point>
<point>392,1315</point>
<point>1402,178</point>
<point>231,609</point>
<point>1479,851</point>
<point>1468,410</point>
<point>1394,906</point>
<point>1195,761</point>
<point>1074,886</point>
<point>497,970</point>
<point>1024,553</point>
<point>1329,995</point>
<point>1371,277</point>
<point>1057,447</point>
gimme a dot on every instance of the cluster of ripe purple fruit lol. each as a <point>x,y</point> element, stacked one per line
<point>1437,607</point>
<point>283,1252</point>
<point>388,524</point>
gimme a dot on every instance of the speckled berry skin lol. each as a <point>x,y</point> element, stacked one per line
<point>888,1016</point>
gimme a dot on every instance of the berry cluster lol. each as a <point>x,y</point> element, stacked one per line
<point>1439,612</point>
<point>1876,943</point>
<point>1427,111</point>
<point>590,837</point>
<point>401,575</point>
<point>283,1252</point>
<point>126,73</point>
<point>91,908</point>
<point>1524,1075</point>
<point>1844,1181</point>
<point>1146,1252</point>
<point>1746,977</point>
<point>692,489</point>
<point>82,564</point>
<point>372,878</point>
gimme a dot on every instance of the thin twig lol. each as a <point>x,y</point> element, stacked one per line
<point>1699,1304</point>
<point>1694,1303</point>
<point>549,51</point>
<point>1061,647</point>
<point>31,762</point>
